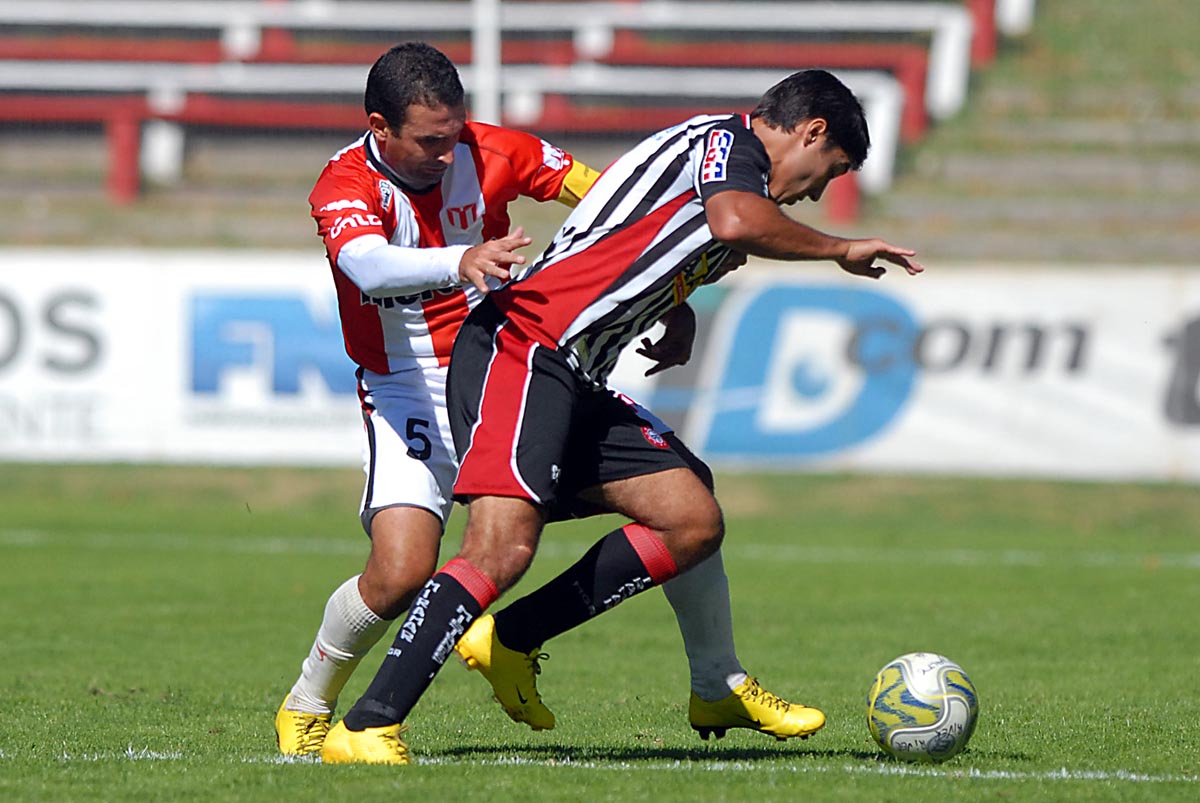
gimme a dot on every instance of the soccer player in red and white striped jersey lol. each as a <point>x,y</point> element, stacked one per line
<point>410,261</point>
<point>533,423</point>
<point>414,218</point>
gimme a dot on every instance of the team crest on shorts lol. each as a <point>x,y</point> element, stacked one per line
<point>654,439</point>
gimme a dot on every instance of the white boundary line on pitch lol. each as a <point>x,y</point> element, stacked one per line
<point>128,754</point>
<point>1063,774</point>
<point>354,543</point>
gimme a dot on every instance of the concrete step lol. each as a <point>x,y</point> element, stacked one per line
<point>1056,173</point>
<point>1040,210</point>
<point>1130,101</point>
<point>1074,133</point>
<point>952,237</point>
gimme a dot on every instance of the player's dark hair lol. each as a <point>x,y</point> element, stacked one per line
<point>412,72</point>
<point>809,94</point>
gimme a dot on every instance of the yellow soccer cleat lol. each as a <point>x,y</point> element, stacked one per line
<point>371,746</point>
<point>751,706</point>
<point>299,733</point>
<point>513,675</point>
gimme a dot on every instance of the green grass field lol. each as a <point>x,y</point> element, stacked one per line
<point>154,617</point>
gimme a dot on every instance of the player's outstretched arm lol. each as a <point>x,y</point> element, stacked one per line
<point>756,225</point>
<point>492,258</point>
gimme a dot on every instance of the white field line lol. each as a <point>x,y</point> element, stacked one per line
<point>952,773</point>
<point>130,753</point>
<point>1062,774</point>
<point>354,543</point>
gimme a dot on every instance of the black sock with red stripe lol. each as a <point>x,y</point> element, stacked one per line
<point>623,563</point>
<point>447,605</point>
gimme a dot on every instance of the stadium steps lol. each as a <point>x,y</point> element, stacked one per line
<point>1098,174</point>
<point>1110,206</point>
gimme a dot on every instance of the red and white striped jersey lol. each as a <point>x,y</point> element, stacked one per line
<point>638,243</point>
<point>357,194</point>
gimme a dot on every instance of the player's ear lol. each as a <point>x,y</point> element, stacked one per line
<point>814,130</point>
<point>379,126</point>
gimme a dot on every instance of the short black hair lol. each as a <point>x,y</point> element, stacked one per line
<point>411,72</point>
<point>809,94</point>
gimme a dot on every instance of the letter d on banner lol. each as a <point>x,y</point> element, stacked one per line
<point>810,370</point>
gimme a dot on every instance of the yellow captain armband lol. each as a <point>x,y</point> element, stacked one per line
<point>578,181</point>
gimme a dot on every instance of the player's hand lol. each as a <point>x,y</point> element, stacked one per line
<point>861,257</point>
<point>492,258</point>
<point>675,346</point>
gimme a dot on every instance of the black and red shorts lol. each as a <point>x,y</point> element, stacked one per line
<point>527,425</point>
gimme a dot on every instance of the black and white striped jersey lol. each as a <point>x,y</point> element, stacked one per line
<point>638,243</point>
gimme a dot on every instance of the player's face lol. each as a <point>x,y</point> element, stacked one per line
<point>806,165</point>
<point>422,148</point>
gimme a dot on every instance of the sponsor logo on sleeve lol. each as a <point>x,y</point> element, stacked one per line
<point>716,157</point>
<point>352,221</point>
<point>552,157</point>
<point>386,192</point>
<point>334,206</point>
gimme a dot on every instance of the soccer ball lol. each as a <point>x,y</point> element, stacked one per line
<point>922,707</point>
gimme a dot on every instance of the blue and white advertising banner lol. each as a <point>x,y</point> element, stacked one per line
<point>1072,372</point>
<point>228,356</point>
<point>237,357</point>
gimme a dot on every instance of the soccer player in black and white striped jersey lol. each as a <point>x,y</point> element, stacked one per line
<point>534,424</point>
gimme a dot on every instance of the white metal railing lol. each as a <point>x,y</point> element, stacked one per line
<point>881,95</point>
<point>518,89</point>
<point>240,24</point>
<point>167,85</point>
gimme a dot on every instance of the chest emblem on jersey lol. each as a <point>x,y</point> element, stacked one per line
<point>386,192</point>
<point>461,217</point>
<point>717,156</point>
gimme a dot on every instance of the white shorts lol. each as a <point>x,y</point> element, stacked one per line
<point>408,453</point>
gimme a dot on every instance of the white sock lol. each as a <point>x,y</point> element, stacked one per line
<point>348,632</point>
<point>700,597</point>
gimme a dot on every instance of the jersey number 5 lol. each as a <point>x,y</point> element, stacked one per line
<point>423,447</point>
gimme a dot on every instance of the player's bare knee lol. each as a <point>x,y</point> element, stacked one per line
<point>519,557</point>
<point>503,554</point>
<point>709,532</point>
<point>501,537</point>
<point>386,598</point>
<point>404,553</point>
<point>706,522</point>
<point>388,588</point>
<point>706,531</point>
<point>694,532</point>
<point>504,564</point>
